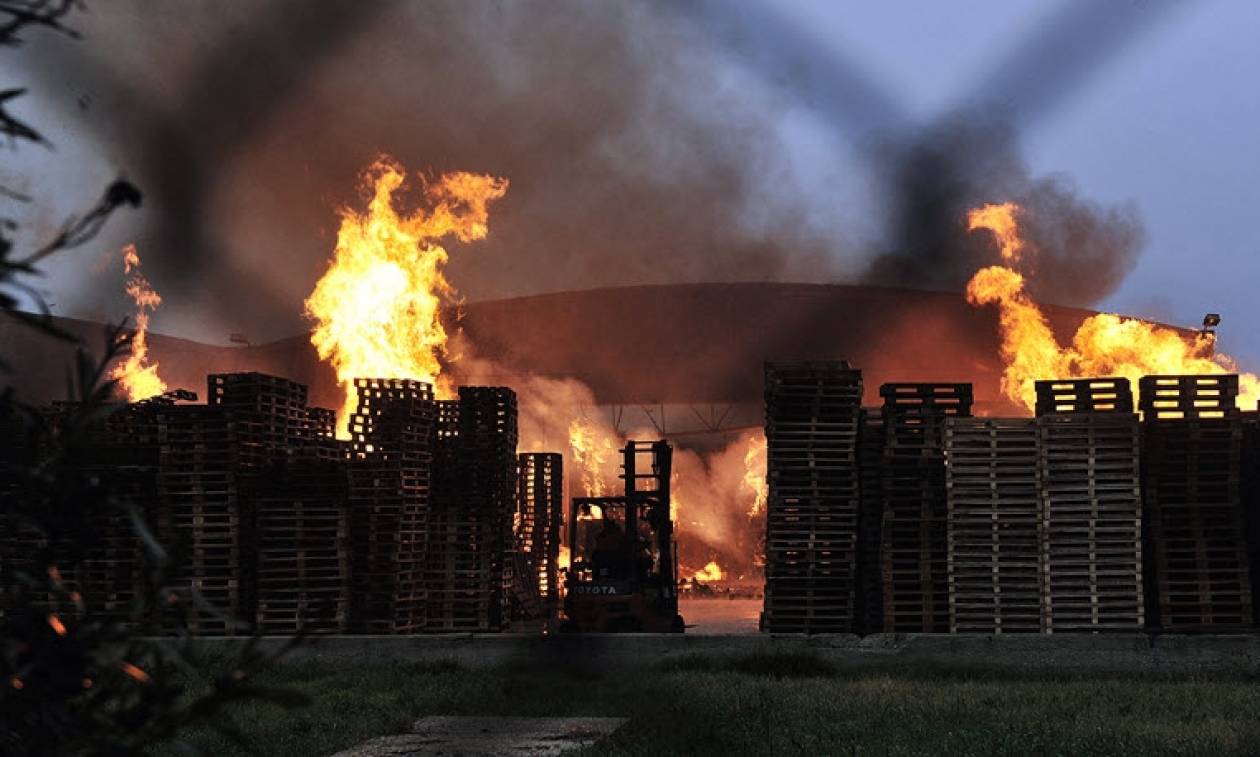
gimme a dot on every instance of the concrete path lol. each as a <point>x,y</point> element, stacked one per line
<point>1012,654</point>
<point>718,616</point>
<point>475,736</point>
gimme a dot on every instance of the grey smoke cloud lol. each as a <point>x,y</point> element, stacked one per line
<point>637,150</point>
<point>1083,250</point>
<point>631,159</point>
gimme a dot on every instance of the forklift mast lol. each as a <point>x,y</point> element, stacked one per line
<point>646,471</point>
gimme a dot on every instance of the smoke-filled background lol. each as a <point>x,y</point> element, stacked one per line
<point>659,142</point>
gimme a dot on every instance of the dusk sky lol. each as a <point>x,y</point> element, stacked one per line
<point>1162,121</point>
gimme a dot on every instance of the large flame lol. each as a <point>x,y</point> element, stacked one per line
<point>1104,345</point>
<point>755,473</point>
<point>999,219</point>
<point>137,376</point>
<point>709,573</point>
<point>591,451</point>
<point>377,309</point>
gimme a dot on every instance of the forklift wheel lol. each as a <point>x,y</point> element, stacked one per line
<point>678,626</point>
<point>568,626</point>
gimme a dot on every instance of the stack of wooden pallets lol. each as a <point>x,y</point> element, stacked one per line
<point>1196,530</point>
<point>870,583</point>
<point>994,547</point>
<point>114,571</point>
<point>303,537</point>
<point>1091,506</point>
<point>812,414</point>
<point>207,458</point>
<point>102,557</point>
<point>1251,499</point>
<point>913,528</point>
<point>390,468</point>
<point>276,406</point>
<point>539,514</point>
<point>317,436</point>
<point>470,527</point>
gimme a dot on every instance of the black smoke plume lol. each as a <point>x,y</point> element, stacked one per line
<point>630,159</point>
<point>1081,251</point>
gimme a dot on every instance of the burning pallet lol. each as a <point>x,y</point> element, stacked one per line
<point>392,433</point>
<point>1196,532</point>
<point>1091,507</point>
<point>993,525</point>
<point>812,412</point>
<point>470,525</point>
<point>539,516</point>
<point>913,527</point>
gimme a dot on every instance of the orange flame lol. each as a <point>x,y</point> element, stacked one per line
<point>136,375</point>
<point>377,309</point>
<point>999,219</point>
<point>710,572</point>
<point>1104,345</point>
<point>57,626</point>
<point>591,453</point>
<point>755,473</point>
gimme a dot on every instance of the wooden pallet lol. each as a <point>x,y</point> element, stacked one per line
<point>1093,395</point>
<point>914,526</point>
<point>302,538</point>
<point>1197,548</point>
<point>993,524</point>
<point>536,526</point>
<point>812,509</point>
<point>1186,397</point>
<point>470,538</point>
<point>390,489</point>
<point>1091,522</point>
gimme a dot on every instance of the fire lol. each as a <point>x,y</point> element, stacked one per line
<point>710,572</point>
<point>136,374</point>
<point>564,560</point>
<point>590,453</point>
<point>1104,345</point>
<point>755,473</point>
<point>377,309</point>
<point>1029,348</point>
<point>591,512</point>
<point>999,219</point>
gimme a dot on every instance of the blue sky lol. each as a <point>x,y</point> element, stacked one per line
<point>1171,123</point>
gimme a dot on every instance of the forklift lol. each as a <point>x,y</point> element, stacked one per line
<point>621,577</point>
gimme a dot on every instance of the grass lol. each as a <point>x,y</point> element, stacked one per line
<point>770,705</point>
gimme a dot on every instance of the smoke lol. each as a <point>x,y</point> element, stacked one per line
<point>714,506</point>
<point>1081,251</point>
<point>634,156</point>
<point>712,498</point>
